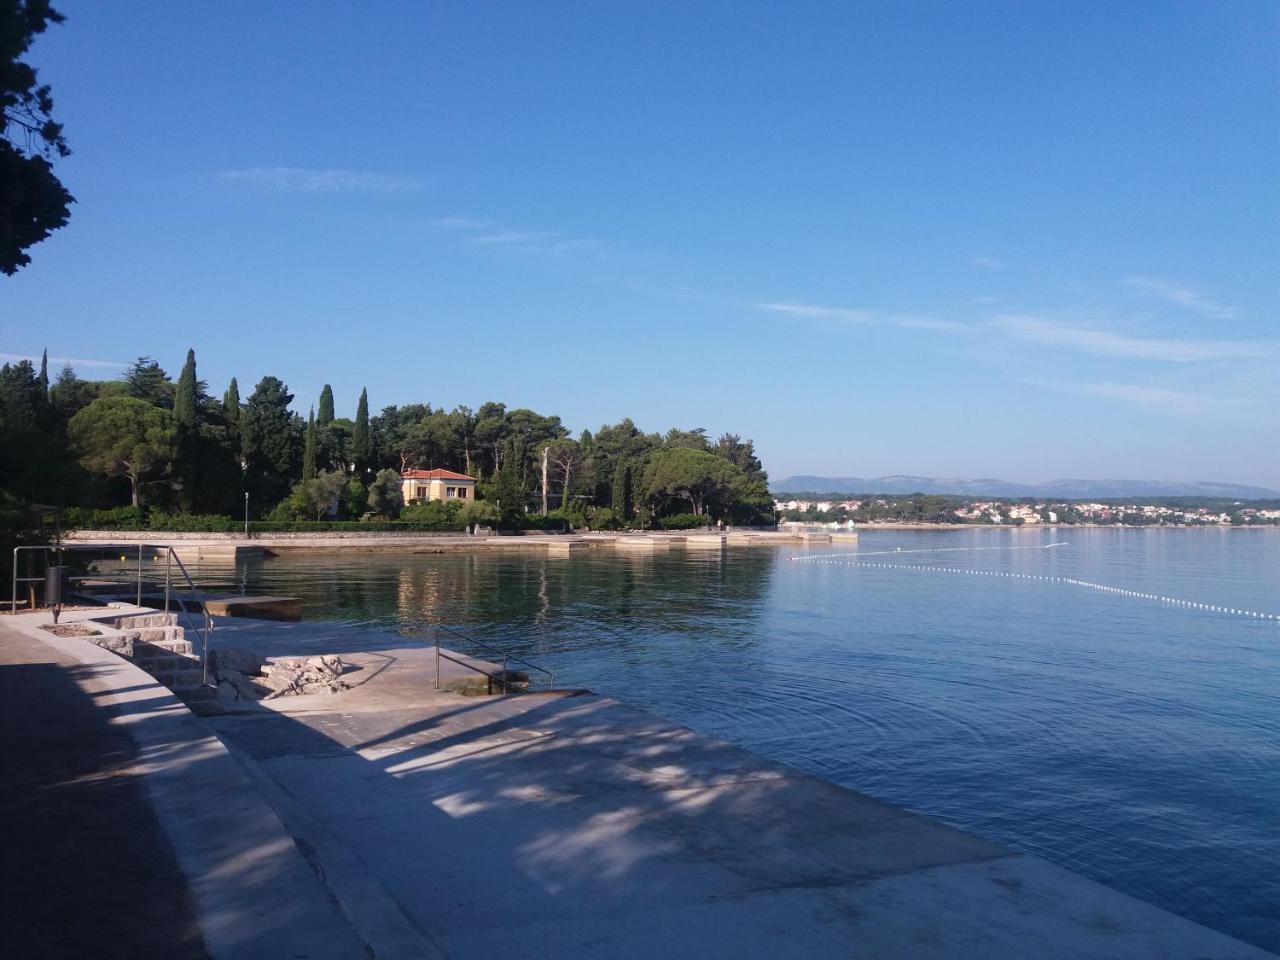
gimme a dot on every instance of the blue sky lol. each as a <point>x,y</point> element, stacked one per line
<point>1025,240</point>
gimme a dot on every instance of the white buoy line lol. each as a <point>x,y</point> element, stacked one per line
<point>823,557</point>
<point>1070,581</point>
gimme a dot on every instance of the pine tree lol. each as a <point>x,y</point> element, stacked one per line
<point>360,446</point>
<point>309,449</point>
<point>185,400</point>
<point>325,416</point>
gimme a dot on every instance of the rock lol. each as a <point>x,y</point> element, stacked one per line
<point>235,659</point>
<point>290,676</point>
<point>234,686</point>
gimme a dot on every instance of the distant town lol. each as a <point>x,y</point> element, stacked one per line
<point>935,509</point>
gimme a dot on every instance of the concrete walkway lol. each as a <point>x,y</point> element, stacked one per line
<point>86,869</point>
<point>578,827</point>
<point>129,831</point>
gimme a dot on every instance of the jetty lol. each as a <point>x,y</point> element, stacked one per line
<point>401,819</point>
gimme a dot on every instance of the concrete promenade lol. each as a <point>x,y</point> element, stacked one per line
<point>574,826</point>
<point>129,831</point>
<point>395,821</point>
<point>222,546</point>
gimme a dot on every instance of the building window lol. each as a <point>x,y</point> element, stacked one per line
<point>423,493</point>
<point>450,492</point>
<point>462,493</point>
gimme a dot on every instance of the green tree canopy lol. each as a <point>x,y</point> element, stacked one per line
<point>124,437</point>
<point>701,478</point>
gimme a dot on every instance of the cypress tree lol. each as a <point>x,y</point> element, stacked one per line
<point>325,416</point>
<point>360,447</point>
<point>184,401</point>
<point>231,402</point>
<point>621,497</point>
<point>309,449</point>
<point>42,381</point>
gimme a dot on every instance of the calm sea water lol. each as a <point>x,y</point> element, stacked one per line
<point>1134,742</point>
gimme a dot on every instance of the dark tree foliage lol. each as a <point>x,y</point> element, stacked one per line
<point>33,202</point>
<point>267,444</point>
<point>361,447</point>
<point>175,448</point>
<point>325,416</point>
<point>231,402</point>
<point>69,394</point>
<point>146,380</point>
<point>186,396</point>
<point>309,450</point>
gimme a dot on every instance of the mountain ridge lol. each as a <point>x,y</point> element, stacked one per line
<point>1072,489</point>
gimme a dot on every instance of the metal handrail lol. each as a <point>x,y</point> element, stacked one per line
<point>171,557</point>
<point>506,683</point>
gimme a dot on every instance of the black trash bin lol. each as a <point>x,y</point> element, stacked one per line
<point>55,588</point>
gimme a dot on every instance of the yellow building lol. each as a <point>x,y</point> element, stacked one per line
<point>422,485</point>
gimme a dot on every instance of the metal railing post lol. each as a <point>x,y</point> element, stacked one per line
<point>504,674</point>
<point>139,574</point>
<point>14,595</point>
<point>168,578</point>
<point>437,632</point>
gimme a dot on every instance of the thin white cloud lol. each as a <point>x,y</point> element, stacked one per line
<point>1105,343</point>
<point>462,223</point>
<point>929,323</point>
<point>987,263</point>
<point>56,362</point>
<point>488,233</point>
<point>506,237</point>
<point>813,311</point>
<point>855,315</point>
<point>305,180</point>
<point>1181,296</point>
<point>1153,399</point>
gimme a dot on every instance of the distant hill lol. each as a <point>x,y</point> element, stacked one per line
<point>1066,489</point>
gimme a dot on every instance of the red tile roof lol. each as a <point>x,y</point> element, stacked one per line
<point>435,475</point>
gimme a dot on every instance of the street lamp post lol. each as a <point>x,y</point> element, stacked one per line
<point>246,514</point>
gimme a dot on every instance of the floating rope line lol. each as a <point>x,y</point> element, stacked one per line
<point>1069,581</point>
<point>824,557</point>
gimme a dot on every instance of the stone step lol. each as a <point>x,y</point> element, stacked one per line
<point>156,634</point>
<point>134,621</point>
<point>167,664</point>
<point>142,649</point>
<point>180,680</point>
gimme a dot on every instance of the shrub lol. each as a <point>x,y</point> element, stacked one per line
<point>603,518</point>
<point>117,518</point>
<point>352,526</point>
<point>534,521</point>
<point>683,521</point>
<point>192,523</point>
<point>434,511</point>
